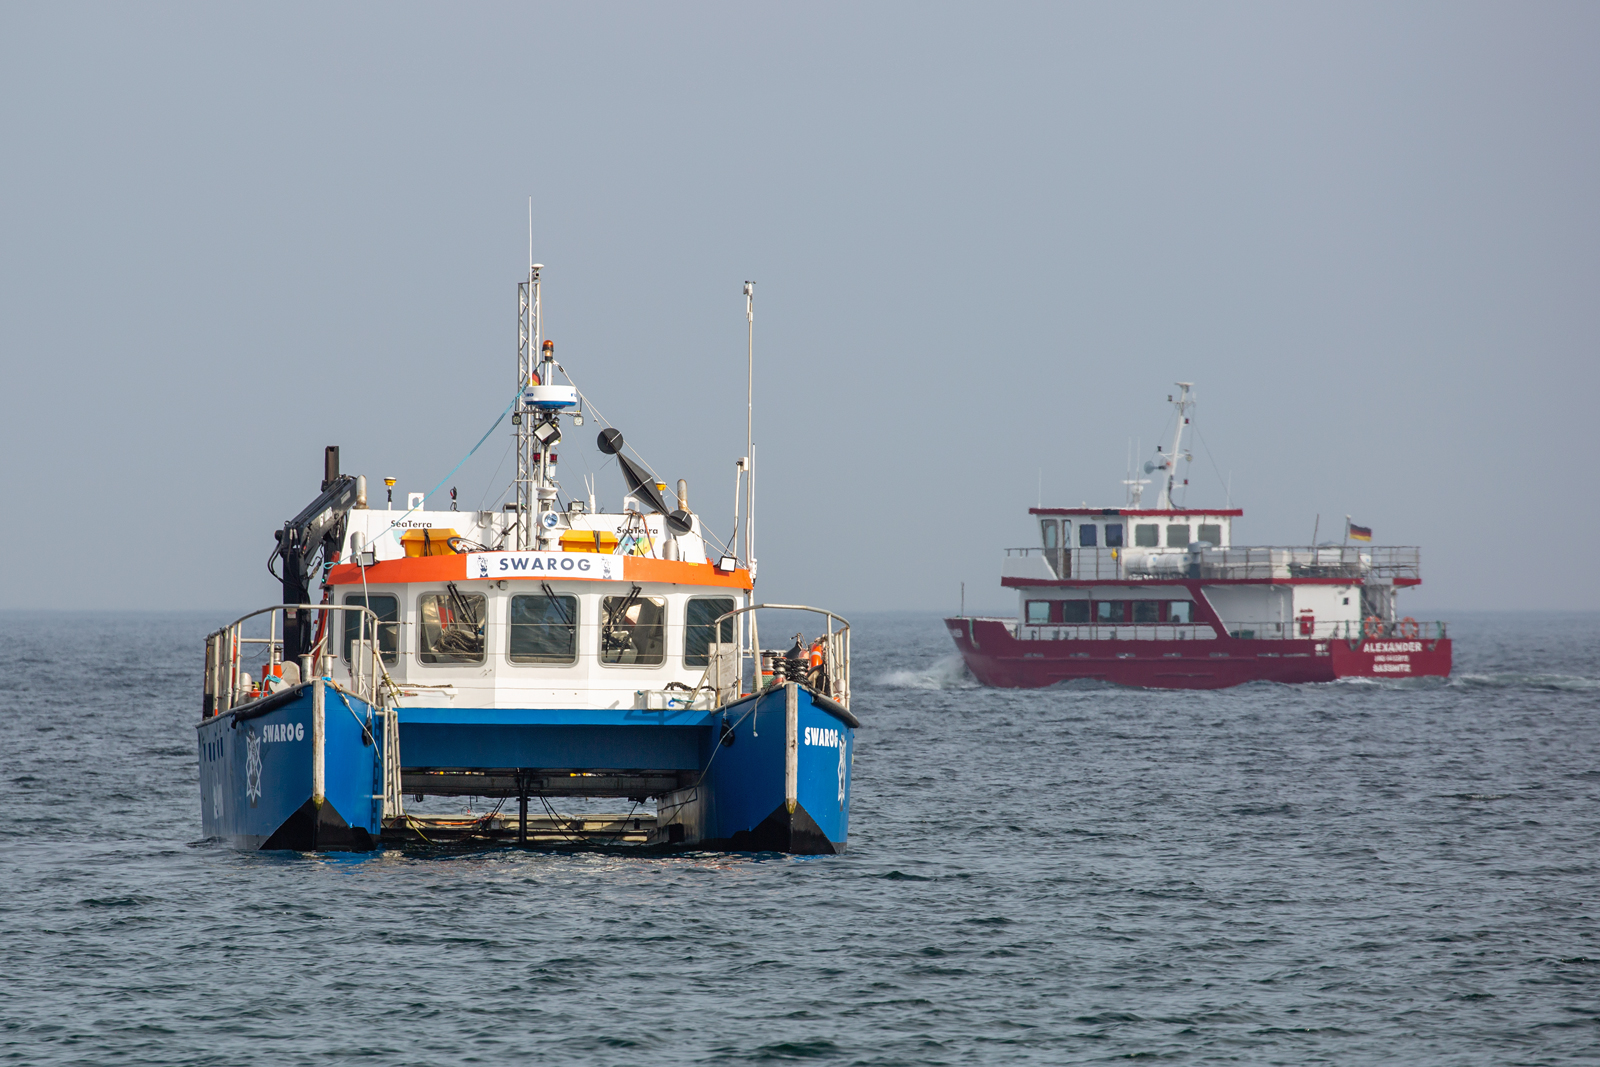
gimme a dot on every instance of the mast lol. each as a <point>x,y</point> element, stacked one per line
<point>529,328</point>
<point>750,476</point>
<point>749,429</point>
<point>1183,404</point>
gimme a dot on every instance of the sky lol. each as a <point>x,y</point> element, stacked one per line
<point>986,240</point>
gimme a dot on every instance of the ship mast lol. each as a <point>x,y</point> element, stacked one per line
<point>528,337</point>
<point>749,430</point>
<point>1183,404</point>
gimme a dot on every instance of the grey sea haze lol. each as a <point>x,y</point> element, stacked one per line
<point>1349,873</point>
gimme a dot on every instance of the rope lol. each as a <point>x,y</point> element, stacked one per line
<point>1207,448</point>
<point>466,457</point>
<point>754,707</point>
<point>365,730</point>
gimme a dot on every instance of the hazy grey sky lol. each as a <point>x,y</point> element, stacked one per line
<point>987,240</point>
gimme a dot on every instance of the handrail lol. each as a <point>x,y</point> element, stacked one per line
<point>836,655</point>
<point>1275,630</point>
<point>783,607</point>
<point>223,668</point>
<point>1138,563</point>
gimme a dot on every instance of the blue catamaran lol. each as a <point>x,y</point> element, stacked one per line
<point>546,650</point>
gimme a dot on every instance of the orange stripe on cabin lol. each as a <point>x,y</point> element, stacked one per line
<point>645,569</point>
<point>411,569</point>
<point>453,568</point>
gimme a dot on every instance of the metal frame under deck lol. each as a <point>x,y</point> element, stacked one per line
<point>540,829</point>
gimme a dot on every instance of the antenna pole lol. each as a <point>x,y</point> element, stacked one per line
<point>529,329</point>
<point>1183,404</point>
<point>750,429</point>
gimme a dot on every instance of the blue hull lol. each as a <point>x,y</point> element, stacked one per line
<point>776,778</point>
<point>256,774</point>
<point>767,773</point>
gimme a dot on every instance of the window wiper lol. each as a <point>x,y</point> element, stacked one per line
<point>615,636</point>
<point>461,605</point>
<point>561,609</point>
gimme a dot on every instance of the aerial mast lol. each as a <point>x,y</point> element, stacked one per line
<point>749,429</point>
<point>528,348</point>
<point>1183,404</point>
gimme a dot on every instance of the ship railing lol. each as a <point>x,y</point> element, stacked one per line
<point>1276,630</point>
<point>1085,563</point>
<point>1377,629</point>
<point>1308,629</point>
<point>1256,562</point>
<point>1329,561</point>
<point>228,657</point>
<point>725,673</point>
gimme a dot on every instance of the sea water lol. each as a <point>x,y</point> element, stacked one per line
<point>1358,872</point>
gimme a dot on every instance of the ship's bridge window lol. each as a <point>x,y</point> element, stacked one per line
<point>1074,611</point>
<point>1049,530</point>
<point>387,609</point>
<point>544,629</point>
<point>450,627</point>
<point>1211,533</point>
<point>1147,535</point>
<point>633,630</point>
<point>1147,611</point>
<point>1038,612</point>
<point>701,628</point>
<point>1178,535</point>
<point>1180,612</point>
<point>1088,535</point>
<point>1113,535</point>
<point>1110,611</point>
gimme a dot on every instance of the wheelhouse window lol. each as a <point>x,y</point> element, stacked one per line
<point>1178,535</point>
<point>1211,533</point>
<point>544,629</point>
<point>700,629</point>
<point>1147,611</point>
<point>633,630</point>
<point>450,627</point>
<point>1088,535</point>
<point>1038,612</point>
<point>1074,611</point>
<point>1113,535</point>
<point>1050,531</point>
<point>1180,612</point>
<point>1147,535</point>
<point>1110,611</point>
<point>387,609</point>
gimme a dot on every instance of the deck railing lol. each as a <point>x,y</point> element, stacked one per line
<point>227,681</point>
<point>726,670</point>
<point>1257,562</point>
<point>1294,630</point>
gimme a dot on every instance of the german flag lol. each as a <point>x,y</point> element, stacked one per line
<point>1358,533</point>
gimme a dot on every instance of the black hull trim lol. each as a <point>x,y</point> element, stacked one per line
<point>797,834</point>
<point>310,830</point>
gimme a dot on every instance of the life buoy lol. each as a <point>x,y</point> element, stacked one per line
<point>1373,627</point>
<point>816,654</point>
<point>1409,628</point>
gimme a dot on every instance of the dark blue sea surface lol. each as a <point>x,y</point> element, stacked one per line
<point>1349,873</point>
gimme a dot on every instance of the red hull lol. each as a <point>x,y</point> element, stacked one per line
<point>997,658</point>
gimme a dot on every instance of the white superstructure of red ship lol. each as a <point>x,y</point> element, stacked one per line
<point>1163,597</point>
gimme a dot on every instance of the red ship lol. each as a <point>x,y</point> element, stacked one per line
<point>1162,597</point>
